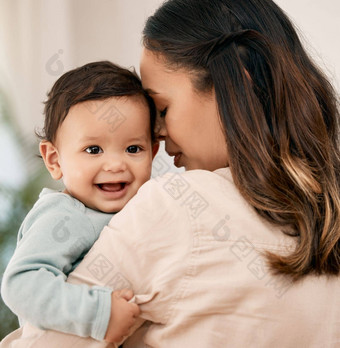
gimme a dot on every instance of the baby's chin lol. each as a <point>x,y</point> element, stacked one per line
<point>107,204</point>
<point>109,207</point>
<point>106,209</point>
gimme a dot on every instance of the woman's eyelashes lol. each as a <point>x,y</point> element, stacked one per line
<point>162,113</point>
<point>94,150</point>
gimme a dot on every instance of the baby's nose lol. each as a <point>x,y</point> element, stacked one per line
<point>114,164</point>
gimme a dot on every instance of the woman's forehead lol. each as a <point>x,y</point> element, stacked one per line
<point>152,63</point>
<point>157,76</point>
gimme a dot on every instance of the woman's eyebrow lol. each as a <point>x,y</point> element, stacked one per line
<point>150,91</point>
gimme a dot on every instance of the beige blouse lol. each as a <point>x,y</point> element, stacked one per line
<point>191,249</point>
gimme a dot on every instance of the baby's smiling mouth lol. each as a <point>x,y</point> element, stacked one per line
<point>112,187</point>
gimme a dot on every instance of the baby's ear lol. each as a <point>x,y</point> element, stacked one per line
<point>155,148</point>
<point>50,156</point>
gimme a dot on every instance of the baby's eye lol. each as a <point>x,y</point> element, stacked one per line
<point>162,113</point>
<point>94,150</point>
<point>133,149</point>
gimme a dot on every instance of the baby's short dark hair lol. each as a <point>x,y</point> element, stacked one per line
<point>92,81</point>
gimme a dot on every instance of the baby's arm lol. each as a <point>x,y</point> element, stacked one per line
<point>123,315</point>
<point>34,284</point>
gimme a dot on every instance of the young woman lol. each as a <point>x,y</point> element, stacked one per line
<point>243,248</point>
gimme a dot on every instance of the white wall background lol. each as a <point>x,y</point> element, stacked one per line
<point>41,39</point>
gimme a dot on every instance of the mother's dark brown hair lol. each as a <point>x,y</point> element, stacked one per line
<point>279,113</point>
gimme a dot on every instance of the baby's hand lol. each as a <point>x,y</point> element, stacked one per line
<point>123,315</point>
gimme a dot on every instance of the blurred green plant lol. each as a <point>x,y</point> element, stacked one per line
<point>19,202</point>
<point>15,202</point>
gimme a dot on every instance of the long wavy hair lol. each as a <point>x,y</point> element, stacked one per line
<point>279,112</point>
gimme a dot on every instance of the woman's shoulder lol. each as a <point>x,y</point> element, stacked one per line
<point>176,184</point>
<point>178,190</point>
<point>211,199</point>
<point>173,196</point>
<point>193,191</point>
<point>196,185</point>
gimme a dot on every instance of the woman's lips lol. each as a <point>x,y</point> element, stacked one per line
<point>177,159</point>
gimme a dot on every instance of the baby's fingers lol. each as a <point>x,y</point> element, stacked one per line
<point>127,294</point>
<point>135,309</point>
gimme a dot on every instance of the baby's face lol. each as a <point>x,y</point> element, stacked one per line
<point>105,151</point>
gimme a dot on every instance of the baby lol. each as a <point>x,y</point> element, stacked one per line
<point>98,138</point>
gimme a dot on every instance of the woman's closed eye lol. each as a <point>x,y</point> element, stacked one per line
<point>94,150</point>
<point>133,149</point>
<point>163,112</point>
